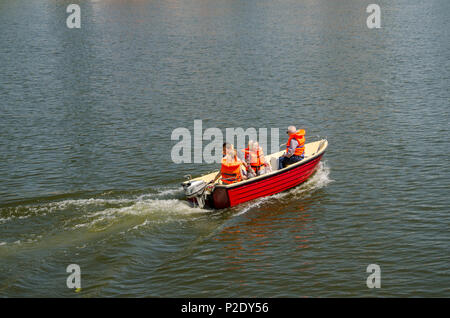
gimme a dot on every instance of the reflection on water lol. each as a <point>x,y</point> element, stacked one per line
<point>248,241</point>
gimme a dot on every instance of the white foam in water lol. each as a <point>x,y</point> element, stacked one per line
<point>156,210</point>
<point>319,180</point>
<point>40,210</point>
<point>143,207</point>
<point>160,207</point>
<point>110,208</point>
<point>84,202</point>
<point>146,222</point>
<point>162,192</point>
<point>171,192</point>
<point>4,220</point>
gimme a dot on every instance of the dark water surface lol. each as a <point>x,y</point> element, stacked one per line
<point>86,175</point>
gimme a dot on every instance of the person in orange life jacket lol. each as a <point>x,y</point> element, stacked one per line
<point>232,169</point>
<point>295,147</point>
<point>254,156</point>
<point>264,164</point>
<point>224,153</point>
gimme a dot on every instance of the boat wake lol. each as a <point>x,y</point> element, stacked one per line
<point>112,212</point>
<point>125,212</point>
<point>319,180</point>
<point>155,211</point>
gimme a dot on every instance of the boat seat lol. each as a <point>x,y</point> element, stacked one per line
<point>274,163</point>
<point>305,156</point>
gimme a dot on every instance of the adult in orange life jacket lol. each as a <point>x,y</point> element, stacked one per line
<point>254,156</point>
<point>232,169</point>
<point>295,147</point>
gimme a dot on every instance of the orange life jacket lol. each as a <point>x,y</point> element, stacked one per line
<point>300,137</point>
<point>231,171</point>
<point>256,158</point>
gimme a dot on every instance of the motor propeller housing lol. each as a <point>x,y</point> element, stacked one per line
<point>194,188</point>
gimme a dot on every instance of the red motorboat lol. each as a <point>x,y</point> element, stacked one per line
<point>203,193</point>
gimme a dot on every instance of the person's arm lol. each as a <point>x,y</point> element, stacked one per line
<point>248,167</point>
<point>243,173</point>
<point>291,148</point>
<point>217,176</point>
<point>241,158</point>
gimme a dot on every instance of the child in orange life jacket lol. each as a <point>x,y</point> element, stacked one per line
<point>232,169</point>
<point>224,153</point>
<point>254,156</point>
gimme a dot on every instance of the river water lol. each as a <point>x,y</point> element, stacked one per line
<point>86,175</point>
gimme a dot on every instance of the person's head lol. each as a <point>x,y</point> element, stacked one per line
<point>230,153</point>
<point>250,144</point>
<point>229,149</point>
<point>224,148</point>
<point>255,145</point>
<point>291,130</point>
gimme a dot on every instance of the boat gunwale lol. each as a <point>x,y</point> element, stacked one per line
<point>276,172</point>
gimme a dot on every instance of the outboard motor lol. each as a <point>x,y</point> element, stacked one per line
<point>195,191</point>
